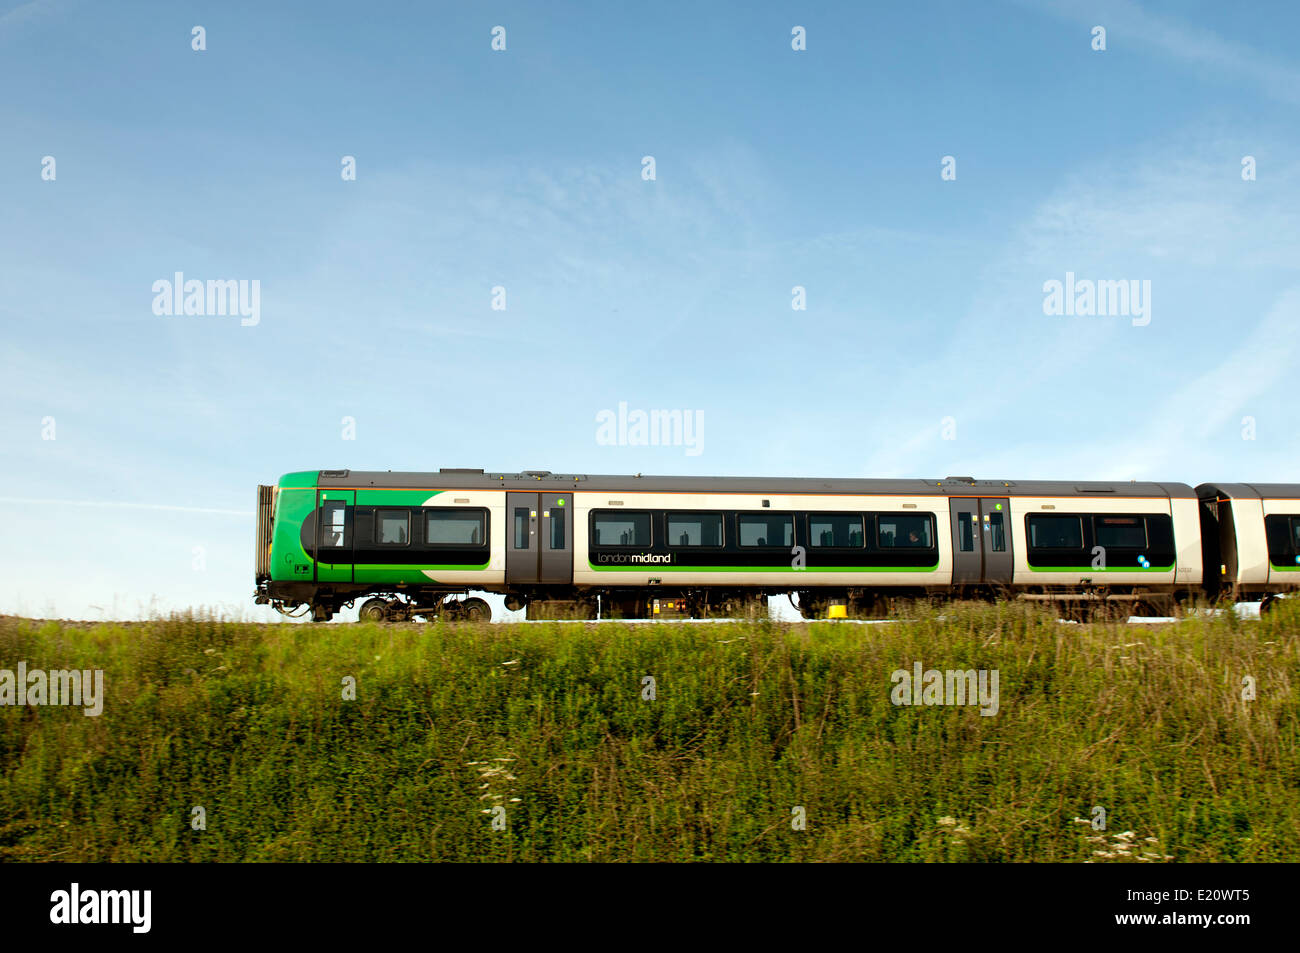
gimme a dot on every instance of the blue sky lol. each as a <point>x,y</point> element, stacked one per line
<point>522,169</point>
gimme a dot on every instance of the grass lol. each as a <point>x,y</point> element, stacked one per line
<point>750,721</point>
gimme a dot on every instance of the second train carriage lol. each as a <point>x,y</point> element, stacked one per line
<point>636,546</point>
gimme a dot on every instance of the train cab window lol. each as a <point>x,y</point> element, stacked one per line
<point>334,531</point>
<point>609,528</point>
<point>393,527</point>
<point>839,530</point>
<point>451,527</point>
<point>772,530</point>
<point>1055,532</point>
<point>1120,532</point>
<point>694,529</point>
<point>905,531</point>
<point>521,527</point>
<point>997,533</point>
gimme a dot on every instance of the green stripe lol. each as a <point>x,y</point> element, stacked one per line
<point>1168,568</point>
<point>1295,568</point>
<point>661,567</point>
<point>413,567</point>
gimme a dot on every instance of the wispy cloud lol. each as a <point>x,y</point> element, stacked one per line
<point>1196,46</point>
<point>28,501</point>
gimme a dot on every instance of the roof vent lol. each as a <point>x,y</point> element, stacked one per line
<point>335,473</point>
<point>460,469</point>
<point>536,473</point>
<point>960,479</point>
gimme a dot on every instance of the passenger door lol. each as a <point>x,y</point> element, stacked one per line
<point>995,523</point>
<point>335,529</point>
<point>539,544</point>
<point>981,541</point>
<point>967,554</point>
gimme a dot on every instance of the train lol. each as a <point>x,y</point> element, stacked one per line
<point>415,546</point>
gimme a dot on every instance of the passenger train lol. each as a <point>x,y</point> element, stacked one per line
<point>414,545</point>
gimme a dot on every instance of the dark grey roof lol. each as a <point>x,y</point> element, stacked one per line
<point>463,479</point>
<point>1250,491</point>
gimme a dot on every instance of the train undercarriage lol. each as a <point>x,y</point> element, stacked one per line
<point>408,604</point>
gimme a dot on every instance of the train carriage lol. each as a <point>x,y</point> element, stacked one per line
<point>1251,539</point>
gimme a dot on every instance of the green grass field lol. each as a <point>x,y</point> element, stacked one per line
<point>749,722</point>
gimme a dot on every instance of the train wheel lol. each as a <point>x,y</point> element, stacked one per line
<point>476,610</point>
<point>321,614</point>
<point>373,610</point>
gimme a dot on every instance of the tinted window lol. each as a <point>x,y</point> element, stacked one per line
<point>1160,533</point>
<point>392,527</point>
<point>997,533</point>
<point>557,528</point>
<point>1055,532</point>
<point>695,529</point>
<point>620,529</point>
<point>904,531</point>
<point>521,527</point>
<point>333,526</point>
<point>1281,536</point>
<point>1120,532</point>
<point>765,529</point>
<point>455,527</point>
<point>966,531</point>
<point>843,530</point>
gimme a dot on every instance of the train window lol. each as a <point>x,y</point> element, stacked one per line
<point>334,525</point>
<point>765,529</point>
<point>1055,532</point>
<point>451,527</point>
<point>1120,532</point>
<point>1160,533</point>
<point>557,528</point>
<point>611,528</point>
<point>966,532</point>
<point>521,527</point>
<point>1295,533</point>
<point>997,533</point>
<point>694,529</point>
<point>905,531</point>
<point>840,530</point>
<point>1281,534</point>
<point>392,527</point>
